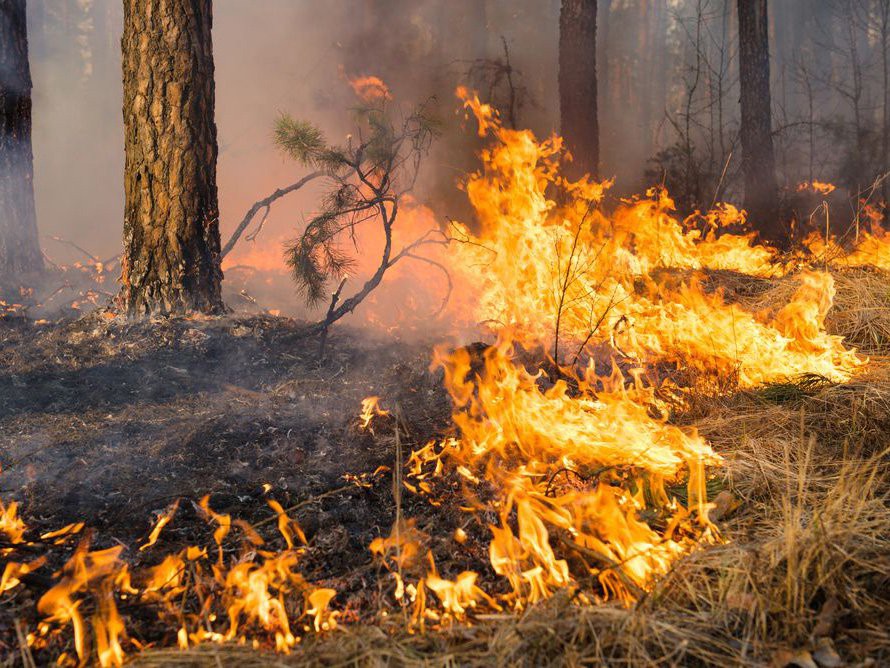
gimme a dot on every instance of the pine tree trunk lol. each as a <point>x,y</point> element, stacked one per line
<point>577,83</point>
<point>758,159</point>
<point>20,258</point>
<point>171,259</point>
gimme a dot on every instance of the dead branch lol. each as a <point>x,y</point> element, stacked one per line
<point>265,203</point>
<point>324,332</point>
<point>447,274</point>
<point>76,247</point>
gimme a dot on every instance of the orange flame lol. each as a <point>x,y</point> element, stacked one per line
<point>370,88</point>
<point>165,518</point>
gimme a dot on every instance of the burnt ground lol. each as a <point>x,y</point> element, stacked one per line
<point>107,422</point>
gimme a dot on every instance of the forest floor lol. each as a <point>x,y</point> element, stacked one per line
<point>107,421</point>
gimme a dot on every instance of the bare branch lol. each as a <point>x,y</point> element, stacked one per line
<point>264,203</point>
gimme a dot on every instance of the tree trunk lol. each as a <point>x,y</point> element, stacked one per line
<point>758,160</point>
<point>20,258</point>
<point>577,83</point>
<point>171,259</point>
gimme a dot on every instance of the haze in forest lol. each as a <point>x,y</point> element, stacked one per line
<point>668,95</point>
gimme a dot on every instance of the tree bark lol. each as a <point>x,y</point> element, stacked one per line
<point>171,262</point>
<point>758,158</point>
<point>577,84</point>
<point>20,258</point>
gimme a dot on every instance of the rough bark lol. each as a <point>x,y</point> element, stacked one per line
<point>20,258</point>
<point>577,83</point>
<point>171,258</point>
<point>758,158</point>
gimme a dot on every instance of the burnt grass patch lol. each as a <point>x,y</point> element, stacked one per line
<point>108,422</point>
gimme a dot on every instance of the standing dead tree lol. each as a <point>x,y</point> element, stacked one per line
<point>369,176</point>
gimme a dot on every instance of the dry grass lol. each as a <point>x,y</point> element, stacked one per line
<point>807,557</point>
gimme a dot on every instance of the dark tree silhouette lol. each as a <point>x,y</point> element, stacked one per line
<point>758,160</point>
<point>171,258</point>
<point>577,83</point>
<point>20,256</point>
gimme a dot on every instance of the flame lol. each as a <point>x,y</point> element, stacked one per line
<point>318,601</point>
<point>564,276</point>
<point>61,535</point>
<point>288,527</point>
<point>869,249</point>
<point>13,572</point>
<point>224,523</point>
<point>588,279</point>
<point>370,409</point>
<point>820,187</point>
<point>370,88</point>
<point>164,519</point>
<point>166,576</point>
<point>61,605</point>
<point>11,525</point>
<point>257,595</point>
<point>519,437</point>
<point>460,595</point>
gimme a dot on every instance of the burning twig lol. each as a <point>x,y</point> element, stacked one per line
<point>574,270</point>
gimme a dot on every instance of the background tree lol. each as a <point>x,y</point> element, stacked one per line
<point>758,159</point>
<point>577,83</point>
<point>171,258</point>
<point>19,248</point>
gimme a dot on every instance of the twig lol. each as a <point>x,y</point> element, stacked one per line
<point>719,187</point>
<point>259,228</point>
<point>306,502</point>
<point>265,202</point>
<point>445,271</point>
<point>76,247</point>
<point>24,650</point>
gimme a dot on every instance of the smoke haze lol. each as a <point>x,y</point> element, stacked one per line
<point>667,79</point>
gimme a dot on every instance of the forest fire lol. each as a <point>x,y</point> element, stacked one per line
<point>588,480</point>
<point>528,403</point>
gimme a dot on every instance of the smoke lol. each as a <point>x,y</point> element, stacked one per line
<point>270,57</point>
<point>661,63</point>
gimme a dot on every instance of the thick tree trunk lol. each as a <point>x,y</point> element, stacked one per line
<point>20,258</point>
<point>171,229</point>
<point>577,83</point>
<point>758,160</point>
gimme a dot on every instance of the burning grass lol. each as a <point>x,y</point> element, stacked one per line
<point>801,509</point>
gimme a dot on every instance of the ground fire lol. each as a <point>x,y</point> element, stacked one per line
<point>540,419</point>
